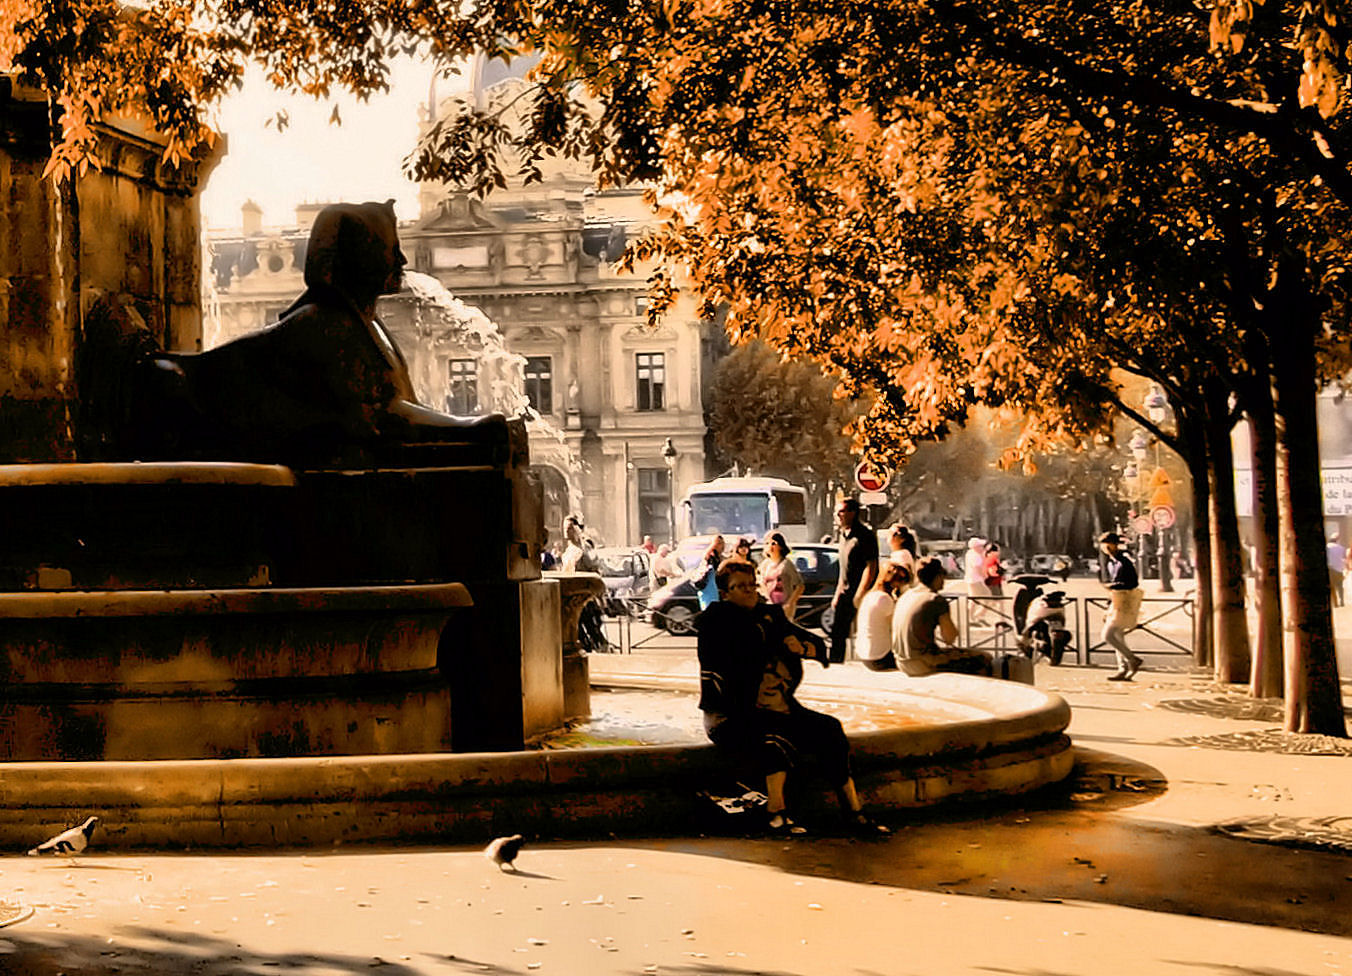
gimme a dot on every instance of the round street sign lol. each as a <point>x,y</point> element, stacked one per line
<point>1142,525</point>
<point>1162,515</point>
<point>871,477</point>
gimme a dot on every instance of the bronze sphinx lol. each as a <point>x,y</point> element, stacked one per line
<point>325,386</point>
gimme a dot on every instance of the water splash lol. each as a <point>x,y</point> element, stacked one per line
<point>442,321</point>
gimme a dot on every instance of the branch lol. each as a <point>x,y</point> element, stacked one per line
<point>1280,126</point>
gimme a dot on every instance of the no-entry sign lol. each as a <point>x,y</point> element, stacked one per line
<point>871,477</point>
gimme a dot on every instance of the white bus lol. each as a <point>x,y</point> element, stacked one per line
<point>746,507</point>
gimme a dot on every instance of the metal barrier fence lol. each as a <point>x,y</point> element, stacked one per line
<point>985,623</point>
<point>1164,627</point>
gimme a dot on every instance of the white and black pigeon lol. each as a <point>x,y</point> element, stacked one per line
<point>68,842</point>
<point>502,851</point>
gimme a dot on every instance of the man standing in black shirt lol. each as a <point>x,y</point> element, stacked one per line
<point>858,570</point>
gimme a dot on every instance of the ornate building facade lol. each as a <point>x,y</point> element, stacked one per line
<point>538,260</point>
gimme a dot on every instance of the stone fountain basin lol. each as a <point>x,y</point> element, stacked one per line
<point>224,673</point>
<point>981,739</point>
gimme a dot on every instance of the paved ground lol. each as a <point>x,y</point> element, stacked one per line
<point>1125,870</point>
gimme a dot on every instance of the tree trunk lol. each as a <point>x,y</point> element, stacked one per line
<point>1313,696</point>
<point>1227,568</point>
<point>1266,679</point>
<point>1193,435</point>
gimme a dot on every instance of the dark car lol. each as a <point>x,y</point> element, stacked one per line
<point>674,607</point>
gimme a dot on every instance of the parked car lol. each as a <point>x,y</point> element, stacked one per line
<point>1051,564</point>
<point>949,552</point>
<point>628,578</point>
<point>675,606</point>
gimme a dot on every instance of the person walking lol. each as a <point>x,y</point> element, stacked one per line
<point>995,570</point>
<point>663,567</point>
<point>858,554</point>
<point>703,576</point>
<point>1337,561</point>
<point>1125,590</point>
<point>780,581</point>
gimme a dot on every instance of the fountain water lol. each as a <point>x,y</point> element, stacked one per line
<point>443,322</point>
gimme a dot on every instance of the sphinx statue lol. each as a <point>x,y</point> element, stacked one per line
<point>324,386</point>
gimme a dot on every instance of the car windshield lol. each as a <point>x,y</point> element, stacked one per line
<point>614,564</point>
<point>736,514</point>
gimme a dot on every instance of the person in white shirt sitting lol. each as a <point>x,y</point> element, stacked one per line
<point>873,627</point>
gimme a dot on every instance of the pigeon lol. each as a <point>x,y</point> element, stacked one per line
<point>502,851</point>
<point>68,842</point>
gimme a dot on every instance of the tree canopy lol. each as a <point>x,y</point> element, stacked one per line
<point>927,197</point>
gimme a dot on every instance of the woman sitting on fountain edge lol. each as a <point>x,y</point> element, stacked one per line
<point>751,661</point>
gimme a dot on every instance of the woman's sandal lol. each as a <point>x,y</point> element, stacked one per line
<point>865,826</point>
<point>782,825</point>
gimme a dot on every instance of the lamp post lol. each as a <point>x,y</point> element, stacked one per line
<point>669,456</point>
<point>1139,446</point>
<point>1157,409</point>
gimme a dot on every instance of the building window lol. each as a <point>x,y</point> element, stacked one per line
<point>540,383</point>
<point>652,380</point>
<point>462,394</point>
<point>654,503</point>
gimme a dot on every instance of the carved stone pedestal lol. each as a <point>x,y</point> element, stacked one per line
<point>575,590</point>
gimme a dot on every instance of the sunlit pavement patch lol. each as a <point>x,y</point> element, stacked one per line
<point>11,913</point>
<point>1272,740</point>
<point>1308,833</point>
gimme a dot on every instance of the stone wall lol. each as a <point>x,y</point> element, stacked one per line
<point>129,227</point>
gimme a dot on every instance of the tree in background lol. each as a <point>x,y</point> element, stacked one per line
<point>783,419</point>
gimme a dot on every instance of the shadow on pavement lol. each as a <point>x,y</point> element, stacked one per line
<point>182,954</point>
<point>1065,844</point>
<point>155,950</point>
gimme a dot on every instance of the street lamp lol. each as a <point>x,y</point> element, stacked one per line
<point>1157,409</point>
<point>669,456</point>
<point>1156,404</point>
<point>1138,444</point>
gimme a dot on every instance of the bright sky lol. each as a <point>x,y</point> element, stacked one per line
<point>311,160</point>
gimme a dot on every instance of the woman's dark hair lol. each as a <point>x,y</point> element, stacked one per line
<point>778,539</point>
<point>894,576</point>
<point>929,570</point>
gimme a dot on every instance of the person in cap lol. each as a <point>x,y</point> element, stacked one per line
<point>1124,587</point>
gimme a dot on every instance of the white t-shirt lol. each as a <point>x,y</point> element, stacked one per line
<point>873,625</point>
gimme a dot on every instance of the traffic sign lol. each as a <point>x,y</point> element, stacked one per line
<point>871,477</point>
<point>1142,525</point>
<point>1160,479</point>
<point>1162,515</point>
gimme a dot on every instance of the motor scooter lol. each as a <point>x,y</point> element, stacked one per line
<point>1040,618</point>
